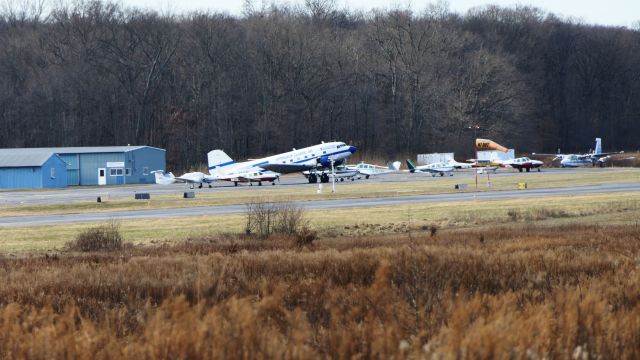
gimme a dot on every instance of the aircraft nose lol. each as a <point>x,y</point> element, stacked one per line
<point>353,149</point>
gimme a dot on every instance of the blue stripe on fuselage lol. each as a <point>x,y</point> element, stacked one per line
<point>222,165</point>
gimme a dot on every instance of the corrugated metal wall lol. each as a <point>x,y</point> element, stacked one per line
<point>90,163</point>
<point>22,177</point>
<point>54,173</point>
<point>73,168</point>
<point>35,177</point>
<point>142,162</point>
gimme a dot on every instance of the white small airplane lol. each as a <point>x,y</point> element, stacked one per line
<point>522,163</point>
<point>191,178</point>
<point>594,158</point>
<point>368,170</point>
<point>437,168</point>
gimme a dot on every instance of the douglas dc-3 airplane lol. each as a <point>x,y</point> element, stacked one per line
<point>316,159</point>
<point>594,158</point>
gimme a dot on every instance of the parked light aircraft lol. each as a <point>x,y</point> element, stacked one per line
<point>316,159</point>
<point>522,163</point>
<point>437,168</point>
<point>594,158</point>
<point>191,178</point>
<point>368,170</point>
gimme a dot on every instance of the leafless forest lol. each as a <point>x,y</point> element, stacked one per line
<point>390,82</point>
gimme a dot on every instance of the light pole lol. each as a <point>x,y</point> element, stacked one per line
<point>475,128</point>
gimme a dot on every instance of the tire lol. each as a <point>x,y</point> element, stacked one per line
<point>367,177</point>
<point>528,169</point>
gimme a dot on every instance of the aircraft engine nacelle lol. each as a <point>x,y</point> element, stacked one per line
<point>325,161</point>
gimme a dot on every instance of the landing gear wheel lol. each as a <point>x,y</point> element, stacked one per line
<point>259,183</point>
<point>520,169</point>
<point>539,169</point>
<point>366,177</point>
<point>313,179</point>
<point>528,169</point>
<point>200,186</point>
<point>235,183</point>
<point>324,178</point>
<point>441,174</point>
<point>210,186</point>
<point>342,179</point>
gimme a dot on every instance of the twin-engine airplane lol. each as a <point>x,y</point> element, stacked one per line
<point>368,170</point>
<point>522,163</point>
<point>191,178</point>
<point>437,168</point>
<point>594,158</point>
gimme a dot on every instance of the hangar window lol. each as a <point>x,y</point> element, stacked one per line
<point>115,172</point>
<point>53,173</point>
<point>145,170</point>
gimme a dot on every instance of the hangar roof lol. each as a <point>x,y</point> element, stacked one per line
<point>27,157</point>
<point>23,157</point>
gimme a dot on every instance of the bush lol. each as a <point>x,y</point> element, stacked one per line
<point>266,218</point>
<point>105,237</point>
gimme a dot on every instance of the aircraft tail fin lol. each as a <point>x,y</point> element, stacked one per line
<point>395,166</point>
<point>598,146</point>
<point>411,166</point>
<point>162,178</point>
<point>217,160</point>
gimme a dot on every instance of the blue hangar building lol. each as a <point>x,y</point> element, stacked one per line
<point>100,165</point>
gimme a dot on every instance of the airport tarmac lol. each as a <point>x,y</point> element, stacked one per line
<point>34,220</point>
<point>90,194</point>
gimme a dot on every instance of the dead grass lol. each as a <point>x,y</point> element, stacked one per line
<point>508,292</point>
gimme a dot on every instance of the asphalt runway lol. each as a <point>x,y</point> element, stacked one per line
<point>90,194</point>
<point>21,221</point>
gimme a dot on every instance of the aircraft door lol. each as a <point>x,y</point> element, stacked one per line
<point>102,176</point>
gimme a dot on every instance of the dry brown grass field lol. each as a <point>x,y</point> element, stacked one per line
<point>517,291</point>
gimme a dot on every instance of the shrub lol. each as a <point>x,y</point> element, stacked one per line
<point>105,237</point>
<point>305,236</point>
<point>266,218</point>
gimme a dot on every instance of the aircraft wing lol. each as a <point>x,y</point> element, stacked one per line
<point>597,156</point>
<point>538,154</point>
<point>186,180</point>
<point>286,168</point>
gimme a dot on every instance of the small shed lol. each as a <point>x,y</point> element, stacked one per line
<point>24,168</point>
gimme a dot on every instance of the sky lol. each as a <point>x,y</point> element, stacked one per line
<point>602,12</point>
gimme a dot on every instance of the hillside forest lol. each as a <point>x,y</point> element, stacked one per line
<point>389,81</point>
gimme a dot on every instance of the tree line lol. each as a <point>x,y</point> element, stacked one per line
<point>390,82</point>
